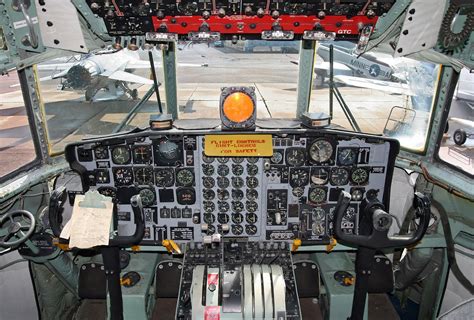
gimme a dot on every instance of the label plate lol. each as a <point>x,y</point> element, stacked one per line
<point>242,145</point>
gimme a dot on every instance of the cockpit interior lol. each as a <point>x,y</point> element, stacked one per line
<point>236,159</point>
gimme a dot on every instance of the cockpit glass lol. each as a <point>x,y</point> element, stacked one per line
<point>101,93</point>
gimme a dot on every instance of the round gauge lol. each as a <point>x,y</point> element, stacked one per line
<point>252,169</point>
<point>208,194</point>
<point>222,170</point>
<point>223,206</point>
<point>108,192</point>
<point>209,218</point>
<point>237,218</point>
<point>251,206</point>
<point>101,152</point>
<point>317,195</point>
<point>164,177</point>
<point>141,154</point>
<point>222,159</point>
<point>121,155</point>
<point>208,182</point>
<point>237,229</point>
<point>237,182</point>
<point>252,182</point>
<point>237,194</point>
<point>210,230</point>
<point>252,159</point>
<point>298,192</point>
<point>350,214</point>
<point>277,157</point>
<point>238,159</point>
<point>318,228</point>
<point>209,206</point>
<point>299,177</point>
<point>251,229</point>
<point>237,206</point>
<point>168,149</point>
<point>223,218</point>
<point>346,156</point>
<point>207,159</point>
<point>319,176</point>
<point>223,182</point>
<point>185,177</point>
<point>147,196</point>
<point>208,169</point>
<point>319,214</point>
<point>372,194</point>
<point>144,175</point>
<point>123,176</point>
<point>251,218</point>
<point>295,157</point>
<point>357,194</point>
<point>359,176</point>
<point>222,194</point>
<point>252,194</point>
<point>102,176</point>
<point>339,176</point>
<point>221,230</point>
<point>237,169</point>
<point>321,150</point>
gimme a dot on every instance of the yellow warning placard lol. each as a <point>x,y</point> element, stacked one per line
<point>238,145</point>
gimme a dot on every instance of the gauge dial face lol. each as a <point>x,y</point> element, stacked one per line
<point>317,195</point>
<point>357,194</point>
<point>347,156</point>
<point>208,194</point>
<point>318,228</point>
<point>207,159</point>
<point>277,157</point>
<point>164,177</point>
<point>186,196</point>
<point>252,182</point>
<point>185,177</point>
<point>237,229</point>
<point>237,194</point>
<point>237,182</point>
<point>101,152</point>
<point>102,176</point>
<point>339,176</point>
<point>238,159</point>
<point>321,150</point>
<point>298,192</point>
<point>299,177</point>
<point>252,169</point>
<point>210,230</point>
<point>121,155</point>
<point>168,150</point>
<point>251,229</point>
<point>252,160</point>
<point>350,214</point>
<point>319,176</point>
<point>360,176</point>
<point>222,159</point>
<point>123,176</point>
<point>295,157</point>
<point>251,194</point>
<point>209,218</point>
<point>223,218</point>
<point>237,169</point>
<point>251,218</point>
<point>237,218</point>
<point>223,206</point>
<point>222,194</point>
<point>147,196</point>
<point>208,169</point>
<point>209,206</point>
<point>251,206</point>
<point>144,175</point>
<point>223,170</point>
<point>142,154</point>
<point>223,182</point>
<point>318,214</point>
<point>237,206</point>
<point>208,182</point>
<point>108,192</point>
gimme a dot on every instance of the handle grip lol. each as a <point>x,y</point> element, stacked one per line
<point>137,236</point>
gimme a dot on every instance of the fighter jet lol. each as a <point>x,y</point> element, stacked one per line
<point>110,70</point>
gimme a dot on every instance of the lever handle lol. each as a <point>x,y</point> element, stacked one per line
<point>137,236</point>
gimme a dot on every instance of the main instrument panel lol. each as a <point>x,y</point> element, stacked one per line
<point>238,17</point>
<point>189,196</point>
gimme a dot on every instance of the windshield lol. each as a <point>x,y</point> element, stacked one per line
<point>112,90</point>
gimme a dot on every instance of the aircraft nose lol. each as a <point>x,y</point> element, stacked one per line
<point>78,77</point>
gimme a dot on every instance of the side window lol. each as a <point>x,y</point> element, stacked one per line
<point>457,145</point>
<point>16,143</point>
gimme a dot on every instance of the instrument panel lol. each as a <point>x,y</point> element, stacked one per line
<point>189,196</point>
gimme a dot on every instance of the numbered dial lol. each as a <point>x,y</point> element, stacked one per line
<point>223,218</point>
<point>222,194</point>
<point>347,156</point>
<point>237,218</point>
<point>101,152</point>
<point>147,196</point>
<point>208,194</point>
<point>121,155</point>
<point>319,176</point>
<point>357,194</point>
<point>318,214</point>
<point>252,169</point>
<point>222,170</point>
<point>223,206</point>
<point>222,160</point>
<point>237,229</point>
<point>295,157</point>
<point>142,154</point>
<point>251,229</point>
<point>299,177</point>
<point>208,169</point>
<point>360,176</point>
<point>208,182</point>
<point>237,206</point>
<point>123,176</point>
<point>321,150</point>
<point>210,230</point>
<point>251,206</point>
<point>237,182</point>
<point>207,159</point>
<point>108,192</point>
<point>277,157</point>
<point>238,159</point>
<point>223,182</point>
<point>251,218</point>
<point>209,218</point>
<point>252,194</point>
<point>252,182</point>
<point>237,194</point>
<point>237,169</point>
<point>317,195</point>
<point>164,178</point>
<point>339,176</point>
<point>252,160</point>
<point>144,175</point>
<point>168,150</point>
<point>185,177</point>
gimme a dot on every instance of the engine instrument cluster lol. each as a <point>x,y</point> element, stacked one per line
<point>189,196</point>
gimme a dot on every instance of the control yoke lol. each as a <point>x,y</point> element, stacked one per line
<point>381,222</point>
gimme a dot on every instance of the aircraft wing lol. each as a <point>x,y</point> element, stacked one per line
<point>128,77</point>
<point>336,66</point>
<point>143,64</point>
<point>387,86</point>
<point>55,66</point>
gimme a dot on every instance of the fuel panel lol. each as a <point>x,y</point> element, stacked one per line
<point>189,196</point>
